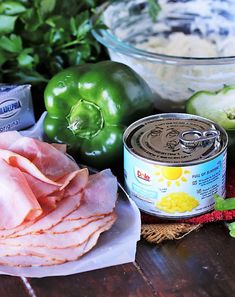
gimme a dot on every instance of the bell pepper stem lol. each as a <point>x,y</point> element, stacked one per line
<point>85,119</point>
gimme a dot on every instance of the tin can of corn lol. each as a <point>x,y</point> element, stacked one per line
<point>174,163</point>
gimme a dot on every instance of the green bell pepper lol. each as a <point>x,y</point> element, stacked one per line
<point>219,107</point>
<point>89,106</point>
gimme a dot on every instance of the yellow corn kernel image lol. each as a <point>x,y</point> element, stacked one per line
<point>177,202</point>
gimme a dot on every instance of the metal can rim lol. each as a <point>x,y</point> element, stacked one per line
<point>176,115</point>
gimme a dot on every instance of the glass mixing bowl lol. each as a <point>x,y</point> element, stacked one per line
<point>205,60</point>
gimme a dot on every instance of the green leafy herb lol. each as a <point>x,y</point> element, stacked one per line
<point>7,24</point>
<point>11,8</point>
<point>11,44</point>
<point>154,9</point>
<point>40,37</point>
<point>231,227</point>
<point>223,204</point>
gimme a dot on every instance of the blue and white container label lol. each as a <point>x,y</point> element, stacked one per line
<point>16,108</point>
<point>174,192</point>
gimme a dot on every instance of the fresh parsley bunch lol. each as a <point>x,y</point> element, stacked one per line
<point>38,38</point>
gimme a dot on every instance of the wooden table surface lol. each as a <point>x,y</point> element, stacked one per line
<point>200,264</point>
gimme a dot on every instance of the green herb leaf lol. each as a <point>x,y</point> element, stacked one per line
<point>47,6</point>
<point>224,204</point>
<point>11,8</point>
<point>29,76</point>
<point>90,3</point>
<point>3,58</point>
<point>50,35</point>
<point>25,58</point>
<point>73,26</point>
<point>154,9</point>
<point>56,36</point>
<point>80,25</point>
<point>7,24</point>
<point>12,44</point>
<point>32,19</point>
<point>73,7</point>
<point>83,25</point>
<point>231,227</point>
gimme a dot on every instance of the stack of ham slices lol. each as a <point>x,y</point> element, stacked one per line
<point>51,210</point>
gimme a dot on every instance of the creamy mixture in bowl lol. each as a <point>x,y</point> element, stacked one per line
<point>190,46</point>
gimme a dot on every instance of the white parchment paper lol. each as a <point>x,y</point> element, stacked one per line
<point>115,246</point>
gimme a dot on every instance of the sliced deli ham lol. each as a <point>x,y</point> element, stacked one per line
<point>64,207</point>
<point>77,180</point>
<point>58,240</point>
<point>52,211</point>
<point>67,226</point>
<point>40,188</point>
<point>52,162</point>
<point>60,147</point>
<point>41,256</point>
<point>7,138</point>
<point>49,160</point>
<point>17,201</point>
<point>103,184</point>
<point>24,165</point>
<point>73,183</point>
<point>56,213</point>
<point>100,196</point>
<point>27,261</point>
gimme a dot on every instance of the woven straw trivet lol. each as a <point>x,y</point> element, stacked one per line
<point>156,233</point>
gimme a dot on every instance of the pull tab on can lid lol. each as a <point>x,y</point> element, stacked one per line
<point>175,138</point>
<point>193,138</point>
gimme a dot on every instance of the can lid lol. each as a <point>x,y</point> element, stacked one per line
<point>176,140</point>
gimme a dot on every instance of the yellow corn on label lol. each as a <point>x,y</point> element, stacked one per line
<point>174,191</point>
<point>177,202</point>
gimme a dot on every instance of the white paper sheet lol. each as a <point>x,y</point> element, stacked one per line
<point>115,246</point>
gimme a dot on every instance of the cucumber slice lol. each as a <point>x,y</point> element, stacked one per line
<point>217,106</point>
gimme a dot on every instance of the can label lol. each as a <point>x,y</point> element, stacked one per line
<point>174,191</point>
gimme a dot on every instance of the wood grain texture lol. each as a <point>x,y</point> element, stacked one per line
<point>201,264</point>
<point>11,286</point>
<point>119,281</point>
